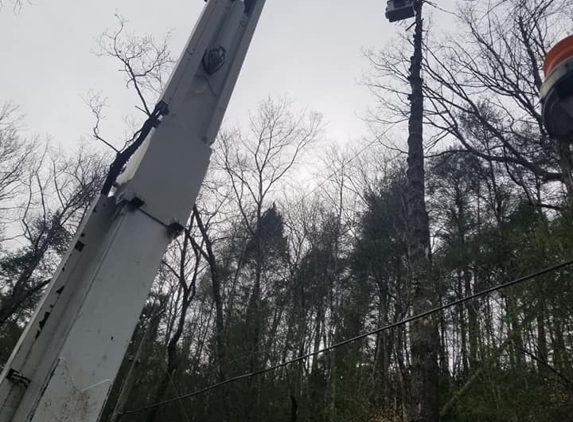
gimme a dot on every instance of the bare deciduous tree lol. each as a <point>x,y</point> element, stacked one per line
<point>15,155</point>
<point>60,189</point>
<point>145,62</point>
<point>257,162</point>
<point>16,4</point>
<point>483,86</point>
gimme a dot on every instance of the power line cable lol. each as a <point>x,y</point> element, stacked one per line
<point>360,337</point>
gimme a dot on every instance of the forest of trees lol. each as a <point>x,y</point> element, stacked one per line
<point>267,271</point>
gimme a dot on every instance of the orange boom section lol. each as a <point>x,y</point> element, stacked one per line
<point>562,51</point>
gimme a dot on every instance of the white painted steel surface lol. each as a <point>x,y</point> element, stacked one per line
<point>66,360</point>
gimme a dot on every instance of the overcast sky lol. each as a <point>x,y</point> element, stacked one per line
<point>310,50</point>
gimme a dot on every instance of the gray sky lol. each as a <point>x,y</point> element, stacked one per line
<point>309,50</point>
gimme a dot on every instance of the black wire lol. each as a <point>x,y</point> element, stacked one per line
<point>121,159</point>
<point>359,337</point>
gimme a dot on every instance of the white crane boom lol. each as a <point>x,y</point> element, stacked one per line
<point>66,360</point>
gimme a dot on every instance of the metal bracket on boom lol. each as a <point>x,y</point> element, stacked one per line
<point>18,378</point>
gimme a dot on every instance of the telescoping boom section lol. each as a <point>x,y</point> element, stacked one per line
<point>66,360</point>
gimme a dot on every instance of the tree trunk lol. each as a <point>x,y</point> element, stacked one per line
<point>188,294</point>
<point>425,402</point>
<point>219,317</point>
<point>473,324</point>
<point>22,291</point>
<point>566,164</point>
<point>293,409</point>
<point>542,335</point>
<point>254,322</point>
<point>131,376</point>
<point>463,329</point>
<point>517,359</point>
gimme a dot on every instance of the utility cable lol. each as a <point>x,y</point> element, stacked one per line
<point>361,336</point>
<point>123,157</point>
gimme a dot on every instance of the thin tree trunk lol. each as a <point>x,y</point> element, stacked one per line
<point>171,357</point>
<point>293,408</point>
<point>131,376</point>
<point>13,303</point>
<point>473,324</point>
<point>254,321</point>
<point>490,361</point>
<point>542,335</point>
<point>463,328</point>
<point>219,317</point>
<point>188,295</point>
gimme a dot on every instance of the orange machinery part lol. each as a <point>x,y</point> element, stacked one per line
<point>562,51</point>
